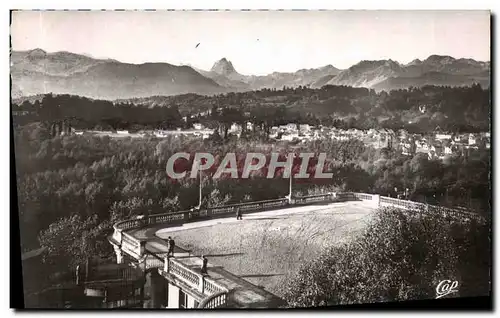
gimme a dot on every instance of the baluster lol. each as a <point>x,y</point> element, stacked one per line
<point>202,284</point>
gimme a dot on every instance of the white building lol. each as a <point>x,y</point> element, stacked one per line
<point>341,137</point>
<point>160,133</point>
<point>472,139</point>
<point>406,148</point>
<point>235,128</point>
<point>291,127</point>
<point>424,146</point>
<point>304,127</point>
<point>197,126</point>
<point>443,136</point>
<point>290,136</point>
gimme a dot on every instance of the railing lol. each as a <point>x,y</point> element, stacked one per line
<point>454,212</point>
<point>345,196</point>
<point>217,294</point>
<point>211,287</point>
<point>222,210</point>
<point>195,280</point>
<point>363,196</point>
<point>217,300</point>
<point>248,207</point>
<point>152,261</point>
<point>328,197</point>
<point>411,205</point>
<point>133,245</point>
<point>184,273</point>
<point>167,218</point>
<point>198,214</point>
<point>404,204</point>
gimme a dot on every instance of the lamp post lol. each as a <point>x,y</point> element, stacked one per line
<point>200,195</point>
<point>290,184</point>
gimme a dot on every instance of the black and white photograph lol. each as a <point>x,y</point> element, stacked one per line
<point>251,159</point>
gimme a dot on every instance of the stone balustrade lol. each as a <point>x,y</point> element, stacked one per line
<point>217,295</point>
<point>217,300</point>
<point>195,280</point>
<point>135,247</point>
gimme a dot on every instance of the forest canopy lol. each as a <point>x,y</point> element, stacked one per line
<point>454,109</point>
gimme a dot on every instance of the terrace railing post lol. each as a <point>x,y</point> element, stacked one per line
<point>119,254</point>
<point>166,267</point>
<point>117,235</point>
<point>376,200</point>
<point>201,286</point>
<point>290,190</point>
<point>142,249</point>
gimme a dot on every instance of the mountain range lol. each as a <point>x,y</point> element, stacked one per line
<point>38,72</point>
<point>435,70</point>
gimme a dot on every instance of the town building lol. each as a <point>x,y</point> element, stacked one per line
<point>289,136</point>
<point>305,127</point>
<point>197,126</point>
<point>472,139</point>
<point>443,136</point>
<point>291,127</point>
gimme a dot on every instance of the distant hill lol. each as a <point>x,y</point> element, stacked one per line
<point>367,73</point>
<point>435,70</point>
<point>55,64</point>
<point>433,78</point>
<point>379,75</point>
<point>224,73</point>
<point>37,72</point>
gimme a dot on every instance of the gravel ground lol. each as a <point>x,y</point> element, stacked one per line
<point>266,249</point>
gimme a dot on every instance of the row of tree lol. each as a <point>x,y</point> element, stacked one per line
<point>457,109</point>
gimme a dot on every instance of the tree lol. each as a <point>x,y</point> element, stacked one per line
<point>71,241</point>
<point>215,199</point>
<point>400,256</point>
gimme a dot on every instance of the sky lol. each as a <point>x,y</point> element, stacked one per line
<point>256,42</point>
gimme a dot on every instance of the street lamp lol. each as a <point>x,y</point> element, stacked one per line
<point>289,196</point>
<point>201,186</point>
<point>198,207</point>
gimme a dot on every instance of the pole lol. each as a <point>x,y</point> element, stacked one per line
<point>78,275</point>
<point>290,188</point>
<point>87,267</point>
<point>201,184</point>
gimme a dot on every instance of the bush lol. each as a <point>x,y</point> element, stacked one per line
<point>401,256</point>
